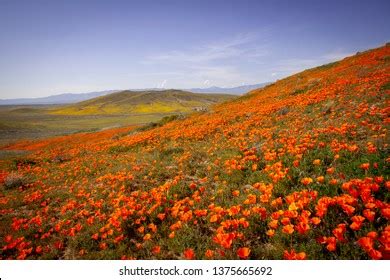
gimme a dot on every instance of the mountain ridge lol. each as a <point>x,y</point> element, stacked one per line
<point>69,98</point>
<point>149,101</point>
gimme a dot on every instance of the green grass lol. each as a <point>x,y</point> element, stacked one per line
<point>15,125</point>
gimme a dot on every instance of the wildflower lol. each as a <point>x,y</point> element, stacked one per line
<point>270,232</point>
<point>292,207</point>
<point>156,250</point>
<point>302,228</point>
<point>306,181</point>
<point>103,246</point>
<point>315,220</point>
<point>224,239</point>
<point>147,237</point>
<point>369,214</point>
<point>209,253</point>
<point>331,244</point>
<point>236,193</point>
<point>333,182</point>
<point>251,199</point>
<point>375,254</point>
<point>357,222</point>
<point>288,229</point>
<point>339,231</point>
<point>330,170</point>
<point>254,167</point>
<point>38,250</point>
<point>273,224</point>
<point>161,216</point>
<point>243,252</point>
<point>320,179</point>
<point>292,255</point>
<point>366,243</point>
<point>214,218</point>
<point>365,166</point>
<point>189,254</point>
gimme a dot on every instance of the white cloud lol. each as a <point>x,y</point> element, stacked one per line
<point>238,46</point>
<point>294,65</point>
<point>217,61</point>
<point>162,84</point>
<point>241,59</point>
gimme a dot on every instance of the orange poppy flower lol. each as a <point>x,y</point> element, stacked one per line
<point>236,193</point>
<point>292,255</point>
<point>209,253</point>
<point>320,179</point>
<point>365,166</point>
<point>243,252</point>
<point>270,232</point>
<point>306,181</point>
<point>330,170</point>
<point>147,237</point>
<point>315,220</point>
<point>288,229</point>
<point>331,244</point>
<point>273,224</point>
<point>189,254</point>
<point>156,250</point>
<point>38,250</point>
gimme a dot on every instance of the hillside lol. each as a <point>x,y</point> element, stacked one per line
<point>296,170</point>
<point>130,102</point>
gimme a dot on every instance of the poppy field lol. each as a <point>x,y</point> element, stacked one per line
<point>296,170</point>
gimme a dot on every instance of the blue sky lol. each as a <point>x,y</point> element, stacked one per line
<point>52,47</point>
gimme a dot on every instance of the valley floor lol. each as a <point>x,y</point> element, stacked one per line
<point>35,122</point>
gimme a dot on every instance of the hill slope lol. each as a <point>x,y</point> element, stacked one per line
<point>299,169</point>
<point>130,102</point>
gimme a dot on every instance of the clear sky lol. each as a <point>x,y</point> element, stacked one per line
<point>52,47</point>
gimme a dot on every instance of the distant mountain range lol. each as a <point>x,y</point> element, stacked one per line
<point>64,98</point>
<point>234,90</point>
<point>68,98</point>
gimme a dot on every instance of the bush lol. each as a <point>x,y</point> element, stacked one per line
<point>60,158</point>
<point>386,86</point>
<point>163,121</point>
<point>14,180</point>
<point>119,149</point>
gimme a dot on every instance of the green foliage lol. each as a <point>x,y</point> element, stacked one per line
<point>120,149</point>
<point>163,121</point>
<point>327,66</point>
<point>386,86</point>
